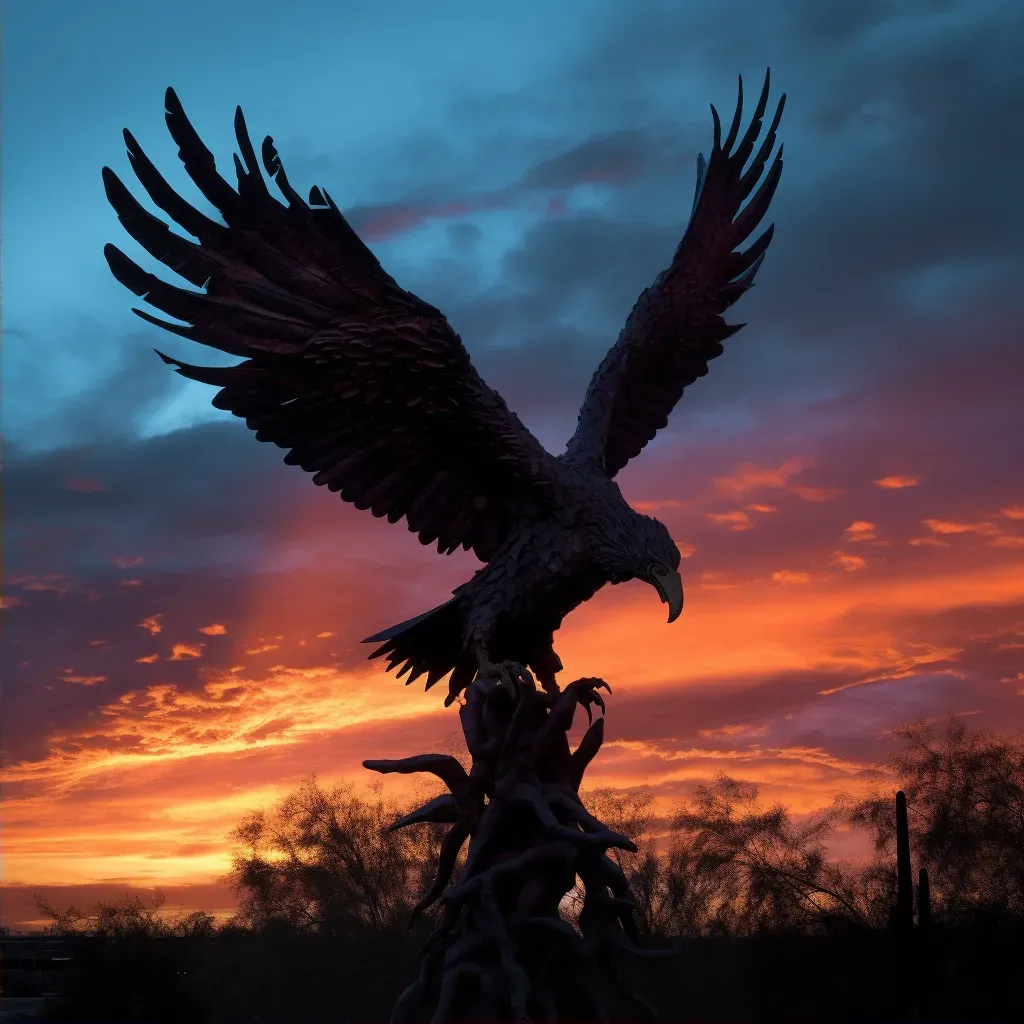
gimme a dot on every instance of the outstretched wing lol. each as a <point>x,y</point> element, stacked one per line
<point>366,384</point>
<point>676,326</point>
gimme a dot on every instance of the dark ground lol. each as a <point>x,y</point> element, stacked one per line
<point>973,973</point>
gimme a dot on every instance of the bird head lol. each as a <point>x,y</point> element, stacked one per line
<point>644,550</point>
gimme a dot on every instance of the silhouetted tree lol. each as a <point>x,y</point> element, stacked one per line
<point>736,867</point>
<point>134,915</point>
<point>725,865</point>
<point>324,861</point>
<point>965,798</point>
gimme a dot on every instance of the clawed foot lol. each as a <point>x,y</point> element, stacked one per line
<point>586,693</point>
<point>508,676</point>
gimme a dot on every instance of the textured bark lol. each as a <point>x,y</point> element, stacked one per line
<point>501,950</point>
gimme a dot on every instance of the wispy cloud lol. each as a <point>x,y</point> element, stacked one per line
<point>749,477</point>
<point>737,519</point>
<point>848,562</point>
<point>947,526</point>
<point>181,652</point>
<point>788,576</point>
<point>896,483</point>
<point>860,530</point>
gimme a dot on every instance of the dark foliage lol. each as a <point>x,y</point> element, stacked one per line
<point>325,862</point>
<point>965,805</point>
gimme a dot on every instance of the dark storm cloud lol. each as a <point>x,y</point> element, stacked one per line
<point>899,216</point>
<point>169,500</point>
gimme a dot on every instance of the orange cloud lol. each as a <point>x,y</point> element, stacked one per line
<point>893,483</point>
<point>141,766</point>
<point>152,624</point>
<point>324,636</point>
<point>859,530</point>
<point>786,576</point>
<point>147,659</point>
<point>263,648</point>
<point>928,542</point>
<point>848,563</point>
<point>1007,541</point>
<point>762,508</point>
<point>54,583</point>
<point>948,526</point>
<point>735,520</point>
<point>654,506</point>
<point>68,676</point>
<point>750,477</point>
<point>685,550</point>
<point>214,629</point>
<point>729,731</point>
<point>1013,512</point>
<point>181,652</point>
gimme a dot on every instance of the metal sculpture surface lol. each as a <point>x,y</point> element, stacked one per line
<point>371,390</point>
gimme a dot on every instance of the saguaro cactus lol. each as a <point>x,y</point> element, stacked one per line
<point>904,916</point>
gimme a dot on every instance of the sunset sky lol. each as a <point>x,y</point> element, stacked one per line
<point>183,612</point>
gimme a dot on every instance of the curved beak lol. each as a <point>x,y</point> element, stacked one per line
<point>670,589</point>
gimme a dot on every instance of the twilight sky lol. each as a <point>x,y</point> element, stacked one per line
<point>183,612</point>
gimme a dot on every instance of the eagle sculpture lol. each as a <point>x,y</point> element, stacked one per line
<point>370,389</point>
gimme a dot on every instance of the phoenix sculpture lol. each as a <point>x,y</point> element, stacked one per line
<point>371,390</point>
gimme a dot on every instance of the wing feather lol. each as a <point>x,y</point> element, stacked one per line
<point>365,384</point>
<point>677,325</point>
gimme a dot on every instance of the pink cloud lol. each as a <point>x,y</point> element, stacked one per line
<point>948,526</point>
<point>750,477</point>
<point>817,494</point>
<point>848,563</point>
<point>859,531</point>
<point>895,483</point>
<point>1007,541</point>
<point>787,576</point>
<point>735,520</point>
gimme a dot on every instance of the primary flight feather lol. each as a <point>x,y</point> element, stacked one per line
<point>370,389</point>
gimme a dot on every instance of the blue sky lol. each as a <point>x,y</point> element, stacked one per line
<point>387,97</point>
<point>397,102</point>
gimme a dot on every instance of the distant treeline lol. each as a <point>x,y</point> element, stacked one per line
<point>767,925</point>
